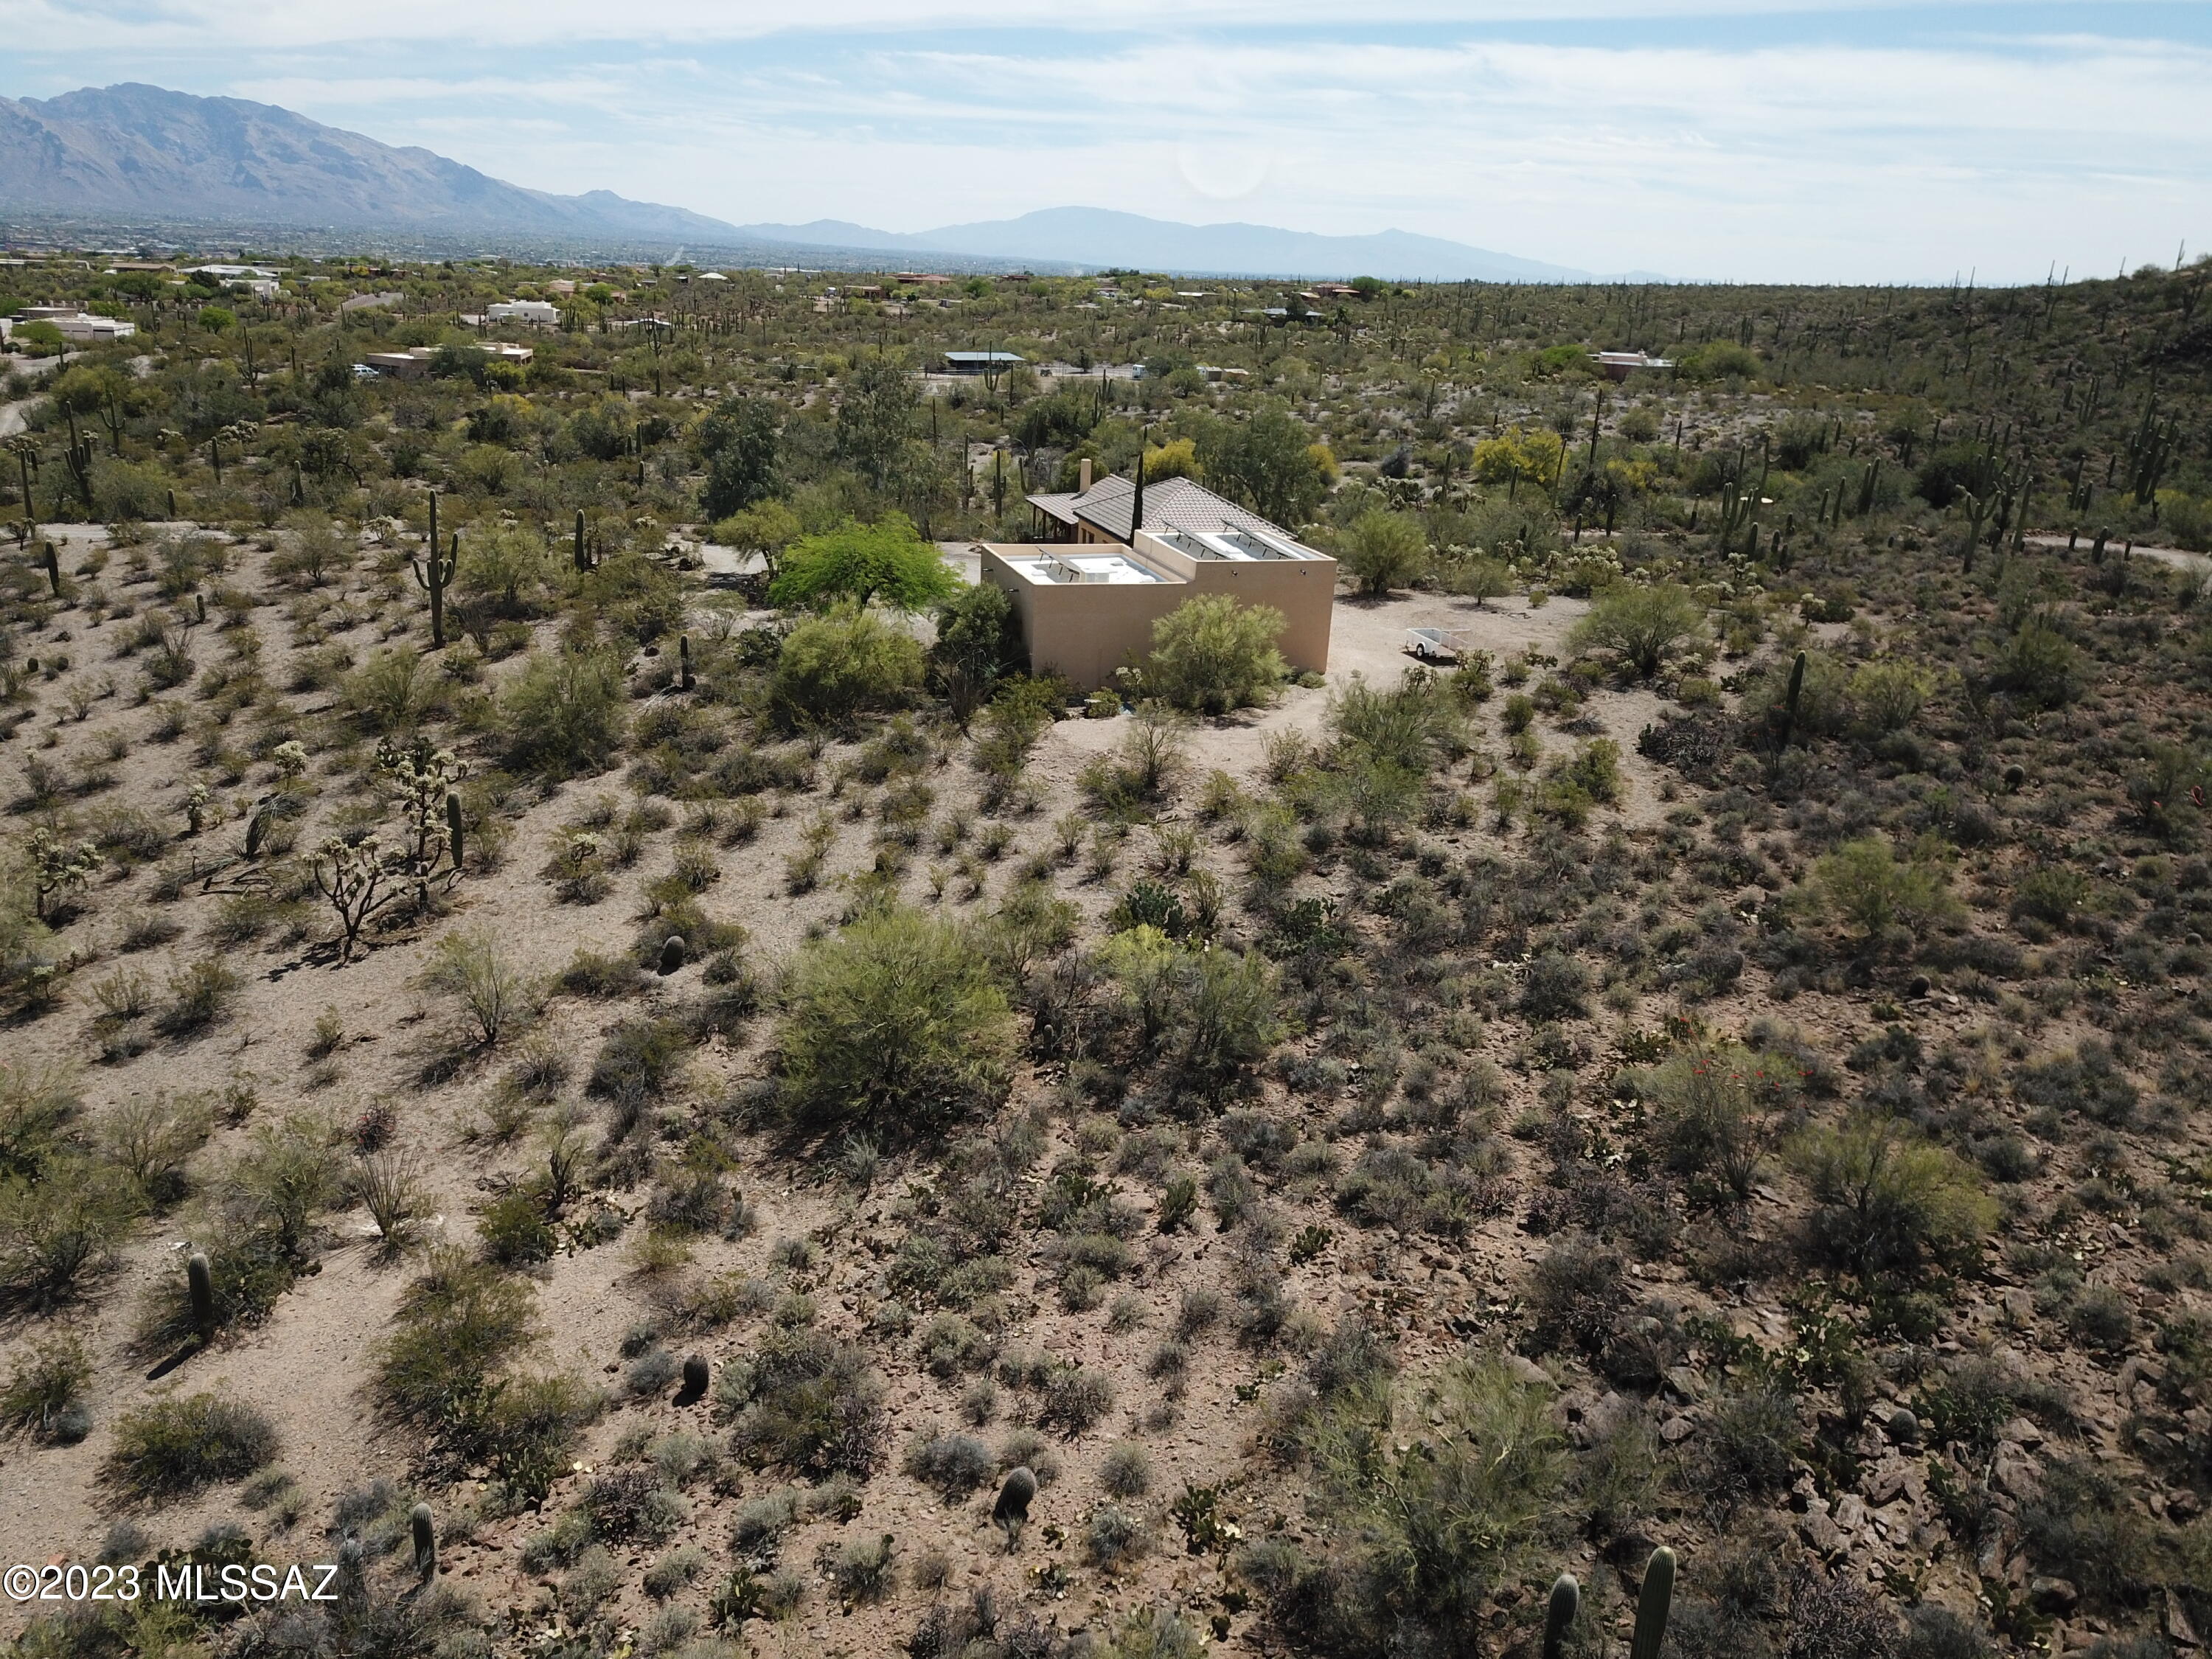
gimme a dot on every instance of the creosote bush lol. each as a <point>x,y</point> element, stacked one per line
<point>176,1446</point>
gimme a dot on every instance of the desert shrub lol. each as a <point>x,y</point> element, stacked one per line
<point>806,1401</point>
<point>1887,694</point>
<point>1113,1537</point>
<point>949,1465</point>
<point>1642,626</point>
<point>44,1393</point>
<point>1557,987</point>
<point>2037,664</point>
<point>2085,1079</point>
<point>1716,1105</point>
<point>1577,1292</point>
<point>288,1174</point>
<point>1383,550</point>
<point>389,693</point>
<point>562,715</point>
<point>1422,1524</point>
<point>895,1022</point>
<point>638,1062</point>
<point>1866,886</point>
<point>1414,726</point>
<point>492,995</point>
<point>1211,655</point>
<point>846,662</point>
<point>151,1137</point>
<point>37,1106</point>
<point>200,993</point>
<point>1074,1399</point>
<point>458,1327</point>
<point>1888,1201</point>
<point>1395,1187</point>
<point>176,1446</point>
<point>513,1232</point>
<point>630,1502</point>
<point>1834,1618</point>
<point>1749,1443</point>
<point>863,1570</point>
<point>1936,1632</point>
<point>60,1230</point>
<point>1127,1471</point>
<point>2081,1526</point>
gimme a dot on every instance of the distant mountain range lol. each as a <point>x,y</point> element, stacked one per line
<point>1096,237</point>
<point>143,155</point>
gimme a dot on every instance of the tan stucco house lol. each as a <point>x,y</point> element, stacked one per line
<point>1088,597</point>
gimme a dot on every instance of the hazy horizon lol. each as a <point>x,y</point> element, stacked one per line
<point>1756,140</point>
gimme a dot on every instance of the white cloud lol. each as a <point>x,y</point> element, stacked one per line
<point>279,24</point>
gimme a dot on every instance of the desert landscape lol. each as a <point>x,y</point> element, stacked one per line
<point>589,1041</point>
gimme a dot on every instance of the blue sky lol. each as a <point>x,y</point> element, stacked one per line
<point>1723,139</point>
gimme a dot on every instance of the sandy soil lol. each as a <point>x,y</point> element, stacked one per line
<point>306,1366</point>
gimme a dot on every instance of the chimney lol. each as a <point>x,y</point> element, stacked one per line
<point>1085,473</point>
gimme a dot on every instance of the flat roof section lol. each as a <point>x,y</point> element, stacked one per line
<point>1085,569</point>
<point>1240,545</point>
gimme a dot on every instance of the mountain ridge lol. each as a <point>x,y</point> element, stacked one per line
<point>1103,236</point>
<point>137,152</point>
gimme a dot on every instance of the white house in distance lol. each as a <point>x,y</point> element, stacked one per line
<point>74,324</point>
<point>538,313</point>
<point>262,284</point>
<point>1619,365</point>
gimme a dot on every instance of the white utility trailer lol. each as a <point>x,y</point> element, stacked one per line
<point>1436,644</point>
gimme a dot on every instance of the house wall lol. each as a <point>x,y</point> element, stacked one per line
<point>1303,590</point>
<point>1086,630</point>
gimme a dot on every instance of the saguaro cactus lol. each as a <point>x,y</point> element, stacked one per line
<point>434,573</point>
<point>53,563</point>
<point>1011,1511</point>
<point>683,662</point>
<point>1653,1603</point>
<point>584,561</point>
<point>78,456</point>
<point>453,828</point>
<point>1790,701</point>
<point>425,1529</point>
<point>1560,1613</point>
<point>200,1282</point>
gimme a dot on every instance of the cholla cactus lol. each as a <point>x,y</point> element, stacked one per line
<point>351,876</point>
<point>202,807</point>
<point>57,868</point>
<point>291,758</point>
<point>422,778</point>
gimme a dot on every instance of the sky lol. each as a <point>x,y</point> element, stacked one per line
<point>1848,140</point>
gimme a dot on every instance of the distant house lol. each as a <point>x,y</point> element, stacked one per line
<point>1087,601</point>
<point>982,362</point>
<point>538,313</point>
<point>262,284</point>
<point>75,324</point>
<point>1333,291</point>
<point>370,301</point>
<point>414,364</point>
<point>560,286</point>
<point>1620,365</point>
<point>923,278</point>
